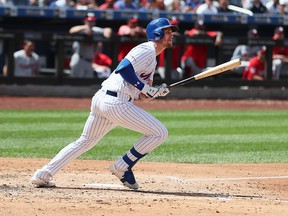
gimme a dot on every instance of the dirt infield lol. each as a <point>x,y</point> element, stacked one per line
<point>85,187</point>
<point>84,103</point>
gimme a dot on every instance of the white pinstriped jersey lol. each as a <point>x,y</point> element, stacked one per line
<point>143,60</point>
<point>110,110</point>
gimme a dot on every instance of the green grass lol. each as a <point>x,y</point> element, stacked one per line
<point>194,136</point>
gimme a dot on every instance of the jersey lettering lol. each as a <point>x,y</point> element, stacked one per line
<point>145,76</point>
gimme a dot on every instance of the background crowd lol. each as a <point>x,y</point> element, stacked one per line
<point>193,6</point>
<point>89,59</point>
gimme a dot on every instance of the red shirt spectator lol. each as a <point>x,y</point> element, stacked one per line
<point>101,62</point>
<point>279,35</point>
<point>175,57</point>
<point>102,59</point>
<point>198,52</point>
<point>108,4</point>
<point>195,56</point>
<point>280,55</point>
<point>131,29</point>
<point>256,69</point>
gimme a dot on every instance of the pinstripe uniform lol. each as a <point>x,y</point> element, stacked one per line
<point>113,106</point>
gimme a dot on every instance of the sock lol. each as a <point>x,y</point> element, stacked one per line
<point>129,159</point>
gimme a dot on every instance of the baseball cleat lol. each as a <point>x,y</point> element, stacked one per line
<point>39,182</point>
<point>126,177</point>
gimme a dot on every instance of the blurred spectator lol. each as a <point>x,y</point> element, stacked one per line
<point>207,8</point>
<point>272,6</point>
<point>81,60</point>
<point>256,69</point>
<point>246,52</point>
<point>6,3</point>
<point>108,4</point>
<point>132,30</point>
<point>45,3</point>
<point>64,4</point>
<point>101,62</point>
<point>33,3</point>
<point>125,4</point>
<point>192,5</point>
<point>86,4</point>
<point>246,4</point>
<point>258,7</point>
<point>175,5</point>
<point>194,59</point>
<point>18,2</point>
<point>223,6</point>
<point>176,70</point>
<point>26,61</point>
<point>146,5</point>
<point>152,6</point>
<point>159,5</point>
<point>279,55</point>
<point>283,6</point>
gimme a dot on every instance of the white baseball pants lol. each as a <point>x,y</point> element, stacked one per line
<point>106,113</point>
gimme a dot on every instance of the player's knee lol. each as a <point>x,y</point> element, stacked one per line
<point>162,133</point>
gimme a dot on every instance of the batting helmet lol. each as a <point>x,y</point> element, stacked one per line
<point>154,29</point>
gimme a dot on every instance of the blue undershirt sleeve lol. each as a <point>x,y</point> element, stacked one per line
<point>126,70</point>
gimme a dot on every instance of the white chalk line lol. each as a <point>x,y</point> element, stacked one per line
<point>227,179</point>
<point>108,186</point>
<point>209,195</point>
<point>181,197</point>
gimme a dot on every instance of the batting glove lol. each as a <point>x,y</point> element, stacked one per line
<point>150,91</point>
<point>163,90</point>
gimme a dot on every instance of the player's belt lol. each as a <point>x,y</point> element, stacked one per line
<point>114,94</point>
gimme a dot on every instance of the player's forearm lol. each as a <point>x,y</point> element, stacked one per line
<point>77,29</point>
<point>126,70</point>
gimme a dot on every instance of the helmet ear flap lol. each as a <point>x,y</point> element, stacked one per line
<point>159,34</point>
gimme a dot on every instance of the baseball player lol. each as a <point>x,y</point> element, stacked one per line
<point>81,60</point>
<point>27,62</point>
<point>113,106</point>
<point>256,69</point>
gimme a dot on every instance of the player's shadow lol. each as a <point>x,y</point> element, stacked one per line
<point>166,193</point>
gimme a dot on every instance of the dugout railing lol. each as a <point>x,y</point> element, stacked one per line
<point>50,26</point>
<point>57,75</point>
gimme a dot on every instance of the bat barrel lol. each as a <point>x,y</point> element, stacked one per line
<point>219,69</point>
<point>210,72</point>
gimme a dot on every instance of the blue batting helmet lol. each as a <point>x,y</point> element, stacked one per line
<point>154,29</point>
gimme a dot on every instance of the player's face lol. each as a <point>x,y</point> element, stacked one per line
<point>167,40</point>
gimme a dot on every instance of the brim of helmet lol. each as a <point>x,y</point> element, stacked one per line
<point>174,28</point>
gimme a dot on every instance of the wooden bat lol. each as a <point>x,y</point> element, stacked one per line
<point>210,72</point>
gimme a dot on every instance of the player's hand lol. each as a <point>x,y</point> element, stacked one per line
<point>163,90</point>
<point>149,91</point>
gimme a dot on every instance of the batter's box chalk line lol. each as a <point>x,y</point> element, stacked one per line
<point>108,186</point>
<point>226,179</point>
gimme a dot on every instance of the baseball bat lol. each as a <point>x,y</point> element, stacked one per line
<point>210,72</point>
